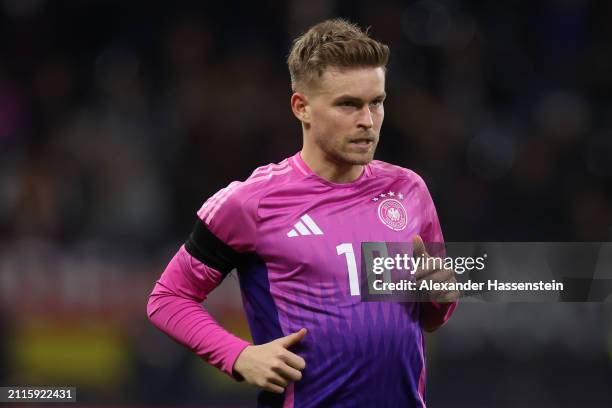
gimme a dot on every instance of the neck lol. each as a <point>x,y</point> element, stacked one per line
<point>329,169</point>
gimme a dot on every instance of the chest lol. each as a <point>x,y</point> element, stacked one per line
<point>316,237</point>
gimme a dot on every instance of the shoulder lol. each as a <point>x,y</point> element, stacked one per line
<point>243,196</point>
<point>384,169</point>
<point>263,180</point>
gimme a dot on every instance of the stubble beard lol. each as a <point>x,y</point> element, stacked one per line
<point>341,155</point>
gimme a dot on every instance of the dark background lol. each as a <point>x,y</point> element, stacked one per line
<point>118,119</point>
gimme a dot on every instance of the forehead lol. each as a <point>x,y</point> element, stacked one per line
<point>358,82</point>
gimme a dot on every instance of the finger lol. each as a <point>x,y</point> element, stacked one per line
<point>437,296</point>
<point>441,275</point>
<point>422,273</point>
<point>292,339</point>
<point>449,297</point>
<point>277,389</point>
<point>293,360</point>
<point>434,290</point>
<point>428,267</point>
<point>444,295</point>
<point>289,373</point>
<point>438,276</point>
<point>418,247</point>
<point>431,289</point>
<point>277,379</point>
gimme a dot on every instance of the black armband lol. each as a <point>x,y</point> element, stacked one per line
<point>204,246</point>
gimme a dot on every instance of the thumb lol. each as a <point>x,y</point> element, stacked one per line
<point>292,338</point>
<point>418,246</point>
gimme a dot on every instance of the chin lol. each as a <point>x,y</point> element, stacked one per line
<point>358,159</point>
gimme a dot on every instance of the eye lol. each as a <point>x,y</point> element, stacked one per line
<point>377,102</point>
<point>347,103</point>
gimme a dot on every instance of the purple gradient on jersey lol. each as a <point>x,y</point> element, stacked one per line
<point>368,350</point>
<point>259,306</point>
<point>261,314</point>
<point>306,231</point>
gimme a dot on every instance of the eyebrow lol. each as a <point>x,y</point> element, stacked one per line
<point>354,98</point>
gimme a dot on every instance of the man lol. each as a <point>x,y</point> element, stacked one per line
<point>293,232</point>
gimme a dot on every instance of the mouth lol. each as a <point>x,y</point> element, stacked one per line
<point>362,143</point>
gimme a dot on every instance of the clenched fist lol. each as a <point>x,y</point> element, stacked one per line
<point>438,275</point>
<point>272,366</point>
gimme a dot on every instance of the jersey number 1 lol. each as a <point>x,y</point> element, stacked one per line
<point>349,253</point>
<point>378,249</point>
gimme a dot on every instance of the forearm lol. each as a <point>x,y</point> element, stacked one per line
<point>174,307</point>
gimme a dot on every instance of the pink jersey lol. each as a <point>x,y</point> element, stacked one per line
<point>295,240</point>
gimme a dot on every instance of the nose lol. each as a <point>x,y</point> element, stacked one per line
<point>365,118</point>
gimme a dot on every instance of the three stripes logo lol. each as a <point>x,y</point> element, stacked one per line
<point>306,226</point>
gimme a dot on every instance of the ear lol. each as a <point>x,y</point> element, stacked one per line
<point>300,107</point>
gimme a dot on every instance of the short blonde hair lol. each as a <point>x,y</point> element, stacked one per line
<point>332,43</point>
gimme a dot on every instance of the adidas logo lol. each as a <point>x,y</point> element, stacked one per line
<point>307,227</point>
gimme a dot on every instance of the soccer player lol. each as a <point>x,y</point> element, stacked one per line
<point>293,232</point>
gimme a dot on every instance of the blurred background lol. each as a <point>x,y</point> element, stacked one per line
<point>118,119</point>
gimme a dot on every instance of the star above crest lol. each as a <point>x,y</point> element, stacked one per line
<point>392,194</point>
